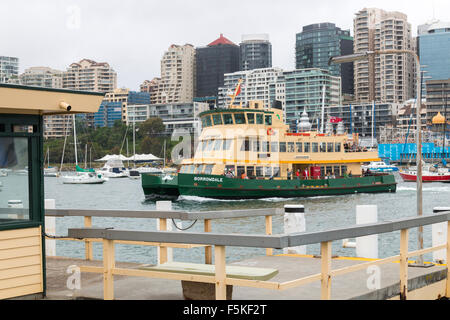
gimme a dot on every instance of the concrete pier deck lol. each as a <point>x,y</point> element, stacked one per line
<point>356,285</point>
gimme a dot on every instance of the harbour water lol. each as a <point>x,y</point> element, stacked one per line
<point>321,213</point>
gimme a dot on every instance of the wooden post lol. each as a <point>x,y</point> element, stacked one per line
<point>162,250</point>
<point>447,258</point>
<point>108,265</point>
<point>403,264</point>
<point>269,251</point>
<point>88,246</point>
<point>325,251</point>
<point>220,262</point>
<point>208,249</point>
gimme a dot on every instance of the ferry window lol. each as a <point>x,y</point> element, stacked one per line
<point>217,118</point>
<point>322,171</point>
<point>307,146</point>
<point>230,168</point>
<point>276,171</point>
<point>251,172</point>
<point>239,118</point>
<point>209,145</point>
<point>264,146</point>
<point>322,147</point>
<point>217,145</point>
<point>329,170</point>
<point>199,169</point>
<point>282,146</point>
<point>204,143</point>
<point>299,146</point>
<point>290,147</point>
<point>343,170</point>
<point>315,147</point>
<point>190,169</point>
<point>330,147</point>
<point>208,121</point>
<point>208,169</point>
<point>259,118</point>
<point>268,120</point>
<point>274,147</point>
<point>256,145</point>
<point>227,118</point>
<point>259,171</point>
<point>240,170</point>
<point>246,146</point>
<point>337,147</point>
<point>183,169</point>
<point>204,122</point>
<point>251,118</point>
<point>268,171</point>
<point>337,171</point>
<point>226,144</point>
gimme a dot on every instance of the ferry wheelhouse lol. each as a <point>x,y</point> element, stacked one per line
<point>248,152</point>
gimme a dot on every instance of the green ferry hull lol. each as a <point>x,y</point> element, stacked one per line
<point>220,187</point>
<point>155,186</point>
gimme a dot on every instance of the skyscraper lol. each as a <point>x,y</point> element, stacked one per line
<point>212,62</point>
<point>320,41</point>
<point>42,77</point>
<point>177,82</point>
<point>383,78</point>
<point>255,52</point>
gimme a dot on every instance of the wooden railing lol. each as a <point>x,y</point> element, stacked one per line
<point>163,218</point>
<point>221,241</point>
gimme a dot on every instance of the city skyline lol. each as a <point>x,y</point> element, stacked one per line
<point>133,36</point>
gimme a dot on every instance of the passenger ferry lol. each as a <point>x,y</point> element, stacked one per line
<point>249,153</point>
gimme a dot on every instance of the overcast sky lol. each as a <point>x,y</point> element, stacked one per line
<point>133,35</point>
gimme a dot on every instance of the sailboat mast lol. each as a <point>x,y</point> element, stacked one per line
<point>164,154</point>
<point>134,139</point>
<point>75,139</point>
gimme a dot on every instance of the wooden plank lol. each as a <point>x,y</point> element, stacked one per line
<point>208,249</point>
<point>20,262</point>
<point>91,269</point>
<point>301,281</point>
<point>163,253</point>
<point>426,250</point>
<point>142,243</point>
<point>19,233</point>
<point>20,291</point>
<point>325,250</point>
<point>20,242</point>
<point>403,264</point>
<point>108,265</point>
<point>164,275</point>
<point>268,220</point>
<point>253,283</point>
<point>20,271</point>
<point>221,288</point>
<point>20,281</point>
<point>19,252</point>
<point>361,266</point>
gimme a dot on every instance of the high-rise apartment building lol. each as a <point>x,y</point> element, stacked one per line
<point>317,43</point>
<point>124,97</point>
<point>434,49</point>
<point>387,77</point>
<point>177,82</point>
<point>42,77</point>
<point>255,52</point>
<point>255,86</point>
<point>152,88</point>
<point>88,75</point>
<point>9,69</point>
<point>212,62</point>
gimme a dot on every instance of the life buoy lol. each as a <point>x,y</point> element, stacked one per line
<point>270,132</point>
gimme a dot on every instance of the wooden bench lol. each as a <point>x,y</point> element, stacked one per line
<point>206,291</point>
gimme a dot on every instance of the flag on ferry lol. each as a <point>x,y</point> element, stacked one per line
<point>238,89</point>
<point>335,119</point>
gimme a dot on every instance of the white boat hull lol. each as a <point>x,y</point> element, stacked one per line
<point>84,178</point>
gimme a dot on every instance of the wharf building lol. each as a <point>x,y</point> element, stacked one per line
<point>255,52</point>
<point>320,41</point>
<point>9,69</point>
<point>384,78</point>
<point>212,63</point>
<point>175,116</point>
<point>177,81</point>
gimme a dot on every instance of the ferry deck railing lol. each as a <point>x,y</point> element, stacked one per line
<point>221,241</point>
<point>164,217</point>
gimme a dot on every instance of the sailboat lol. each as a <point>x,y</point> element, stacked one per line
<point>50,171</point>
<point>82,176</point>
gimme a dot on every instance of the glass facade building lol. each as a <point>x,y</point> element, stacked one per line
<point>255,52</point>
<point>317,43</point>
<point>107,114</point>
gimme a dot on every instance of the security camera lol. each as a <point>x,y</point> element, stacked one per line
<point>65,106</point>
